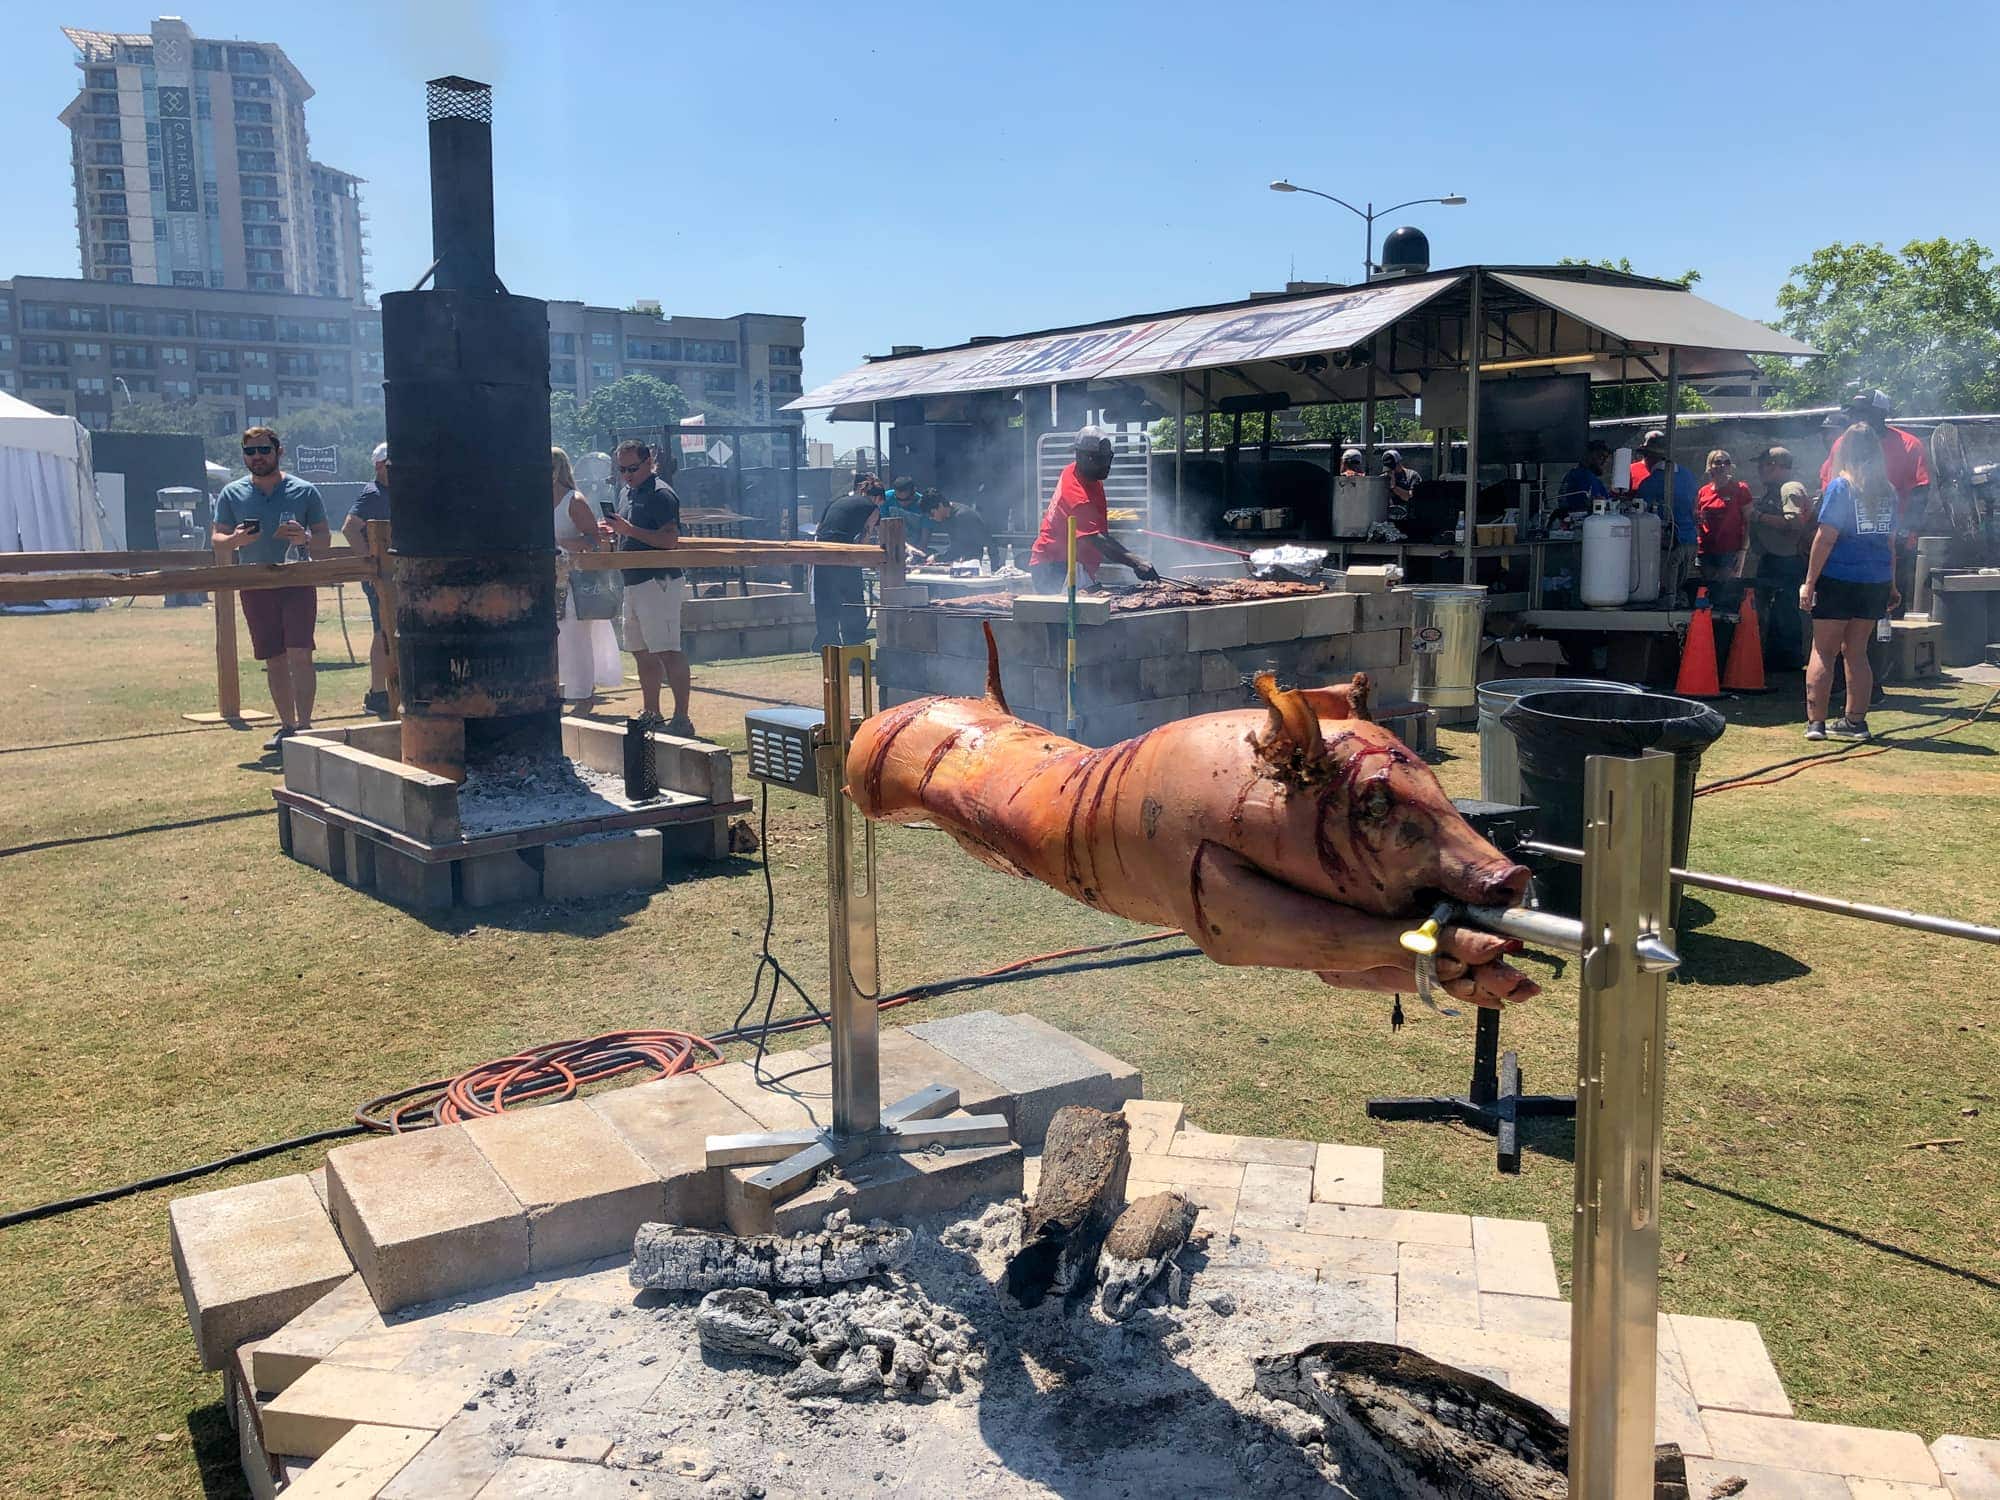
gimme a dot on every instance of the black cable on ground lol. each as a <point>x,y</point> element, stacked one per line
<point>1887,739</point>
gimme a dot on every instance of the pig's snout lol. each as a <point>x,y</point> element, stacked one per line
<point>1491,882</point>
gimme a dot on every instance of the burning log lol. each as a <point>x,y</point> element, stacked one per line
<point>668,1258</point>
<point>1084,1161</point>
<point>1140,1248</point>
<point>1403,1424</point>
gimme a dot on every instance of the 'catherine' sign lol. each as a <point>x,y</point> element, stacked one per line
<point>179,163</point>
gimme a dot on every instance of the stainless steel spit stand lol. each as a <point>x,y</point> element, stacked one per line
<point>861,1126</point>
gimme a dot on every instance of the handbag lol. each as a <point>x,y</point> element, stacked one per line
<point>596,595</point>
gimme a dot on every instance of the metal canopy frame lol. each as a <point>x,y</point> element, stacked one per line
<point>861,1127</point>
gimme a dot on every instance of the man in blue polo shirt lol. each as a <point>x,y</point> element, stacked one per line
<point>1677,516</point>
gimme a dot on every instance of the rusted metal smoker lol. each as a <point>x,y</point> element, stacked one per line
<point>466,387</point>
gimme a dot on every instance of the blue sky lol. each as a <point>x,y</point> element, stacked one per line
<point>920,173</point>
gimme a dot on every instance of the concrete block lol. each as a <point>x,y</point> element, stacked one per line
<point>305,1340</point>
<point>1053,609</point>
<point>260,1471</point>
<point>359,1463</point>
<point>384,739</point>
<point>916,629</point>
<point>425,1215</point>
<point>1274,620</point>
<point>1368,578</point>
<point>1041,1066</point>
<point>340,778</point>
<point>388,792</point>
<point>1707,1476</point>
<point>909,596</point>
<point>357,859</point>
<point>961,635</point>
<point>1189,1172</point>
<point>1728,1366</point>
<point>668,1123</point>
<point>1026,644</point>
<point>1970,1466</point>
<point>768,640</point>
<point>601,865</point>
<point>1268,1244</point>
<point>284,830</point>
<point>779,1107</point>
<point>598,746</point>
<point>411,882</point>
<point>1513,1256</point>
<point>1389,611</point>
<point>1274,1197</point>
<point>1154,712</point>
<point>1404,1225</point>
<point>1226,701</point>
<point>1169,676</point>
<point>1327,659</point>
<point>1151,1124</point>
<point>329,1401</point>
<point>898,668</point>
<point>301,756</point>
<point>498,879</point>
<point>1820,1447</point>
<point>456,1464</point>
<point>896,1187</point>
<point>1330,614</point>
<point>317,843</point>
<point>955,676</point>
<point>1107,683</point>
<point>1347,1174</point>
<point>683,844</point>
<point>1153,632</point>
<point>692,766</point>
<point>251,1258</point>
<point>1374,650</point>
<point>1532,1317</point>
<point>906,1064</point>
<point>1216,673</point>
<point>1218,627</point>
<point>585,1190</point>
<point>1107,726</point>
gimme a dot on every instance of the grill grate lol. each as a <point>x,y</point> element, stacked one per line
<point>455,98</point>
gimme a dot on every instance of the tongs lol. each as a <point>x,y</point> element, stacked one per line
<point>1187,583</point>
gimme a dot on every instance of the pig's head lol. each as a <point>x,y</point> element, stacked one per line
<point>1386,837</point>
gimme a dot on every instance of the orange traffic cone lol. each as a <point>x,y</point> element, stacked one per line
<point>1744,671</point>
<point>1697,674</point>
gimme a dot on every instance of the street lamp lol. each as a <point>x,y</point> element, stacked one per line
<point>1367,215</point>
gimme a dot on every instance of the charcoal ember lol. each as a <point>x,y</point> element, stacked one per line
<point>1140,1248</point>
<point>667,1257</point>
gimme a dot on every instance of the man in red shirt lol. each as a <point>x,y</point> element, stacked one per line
<point>1722,514</point>
<point>1080,493</point>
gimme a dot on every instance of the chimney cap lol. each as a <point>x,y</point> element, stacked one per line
<point>456,98</point>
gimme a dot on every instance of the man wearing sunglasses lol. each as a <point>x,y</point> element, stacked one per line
<point>260,517</point>
<point>649,517</point>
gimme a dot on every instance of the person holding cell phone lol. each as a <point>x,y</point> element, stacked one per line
<point>269,516</point>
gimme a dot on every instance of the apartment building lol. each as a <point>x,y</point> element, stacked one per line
<point>735,369</point>
<point>87,347</point>
<point>192,169</point>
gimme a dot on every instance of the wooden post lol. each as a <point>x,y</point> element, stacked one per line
<point>894,554</point>
<point>228,683</point>
<point>385,603</point>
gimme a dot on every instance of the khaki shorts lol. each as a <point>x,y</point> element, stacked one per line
<point>653,614</point>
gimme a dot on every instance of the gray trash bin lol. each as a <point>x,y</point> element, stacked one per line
<point>1499,759</point>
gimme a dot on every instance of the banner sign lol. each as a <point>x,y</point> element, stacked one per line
<point>179,162</point>
<point>317,460</point>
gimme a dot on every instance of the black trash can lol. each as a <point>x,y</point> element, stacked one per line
<point>1556,732</point>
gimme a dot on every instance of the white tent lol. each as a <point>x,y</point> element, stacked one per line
<point>48,494</point>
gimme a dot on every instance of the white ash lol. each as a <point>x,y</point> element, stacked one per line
<point>669,1258</point>
<point>887,1339</point>
<point>527,791</point>
<point>1159,1406</point>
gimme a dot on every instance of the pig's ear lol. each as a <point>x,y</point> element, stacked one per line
<point>1290,739</point>
<point>1348,700</point>
<point>1359,692</point>
<point>993,694</point>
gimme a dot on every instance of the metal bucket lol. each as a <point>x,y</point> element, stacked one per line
<point>1445,620</point>
<point>1499,757</point>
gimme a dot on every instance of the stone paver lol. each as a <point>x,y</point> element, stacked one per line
<point>357,1466</point>
<point>1203,1146</point>
<point>1538,1317</point>
<point>454,1465</point>
<point>885,1187</point>
<point>1437,1285</point>
<point>1152,1124</point>
<point>585,1190</point>
<point>1705,1475</point>
<point>1185,1172</point>
<point>524,1478</point>
<point>425,1215</point>
<point>1728,1366</point>
<point>250,1258</point>
<point>1971,1466</point>
<point>1042,1067</point>
<point>1889,1489</point>
<point>1406,1225</point>
<point>1273,1197</point>
<point>1822,1447</point>
<point>1319,1255</point>
<point>1513,1256</point>
<point>668,1122</point>
<point>906,1064</point>
<point>322,1404</point>
<point>1126,1080</point>
<point>778,1105</point>
<point>1347,1174</point>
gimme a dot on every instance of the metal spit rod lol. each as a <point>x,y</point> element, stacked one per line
<point>1891,916</point>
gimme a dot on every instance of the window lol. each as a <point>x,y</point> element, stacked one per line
<point>111,203</point>
<point>96,421</point>
<point>371,364</point>
<point>104,129</point>
<point>259,212</point>
<point>784,354</point>
<point>90,385</point>
<point>256,114</point>
<point>710,351</point>
<point>43,352</point>
<point>298,390</point>
<point>249,88</point>
<point>257,161</point>
<point>207,57</point>
<point>256,359</point>
<point>722,383</point>
<point>255,135</point>
<point>333,392</point>
<point>786,385</point>
<point>89,319</point>
<point>216,362</point>
<point>6,380</point>
<point>562,343</point>
<point>111,181</point>
<point>160,231</point>
<point>256,328</point>
<point>602,341</point>
<point>36,382</point>
<point>115,255</point>
<point>131,357</point>
<point>6,343</point>
<point>100,78</point>
<point>562,372</point>
<point>264,260</point>
<point>215,387</point>
<point>298,364</point>
<point>222,422</point>
<point>255,392</point>
<point>173,354</point>
<point>129,320</point>
<point>247,60</point>
<point>260,281</point>
<point>215,326</point>
<point>115,229</point>
<point>101,104</point>
<point>37,316</point>
<point>107,156</point>
<point>257,187</point>
<point>175,325</point>
<point>176,389</point>
<point>661,350</point>
<point>268,234</point>
<point>122,278</point>
<point>603,371</point>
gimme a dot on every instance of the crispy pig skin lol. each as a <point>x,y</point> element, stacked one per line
<point>1300,836</point>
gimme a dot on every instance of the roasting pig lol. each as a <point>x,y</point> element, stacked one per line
<point>1299,836</point>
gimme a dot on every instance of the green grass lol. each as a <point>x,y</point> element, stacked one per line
<point>179,992</point>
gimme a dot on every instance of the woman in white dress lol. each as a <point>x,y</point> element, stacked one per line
<point>586,650</point>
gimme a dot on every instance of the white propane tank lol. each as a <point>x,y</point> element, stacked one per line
<point>1607,559</point>
<point>1645,557</point>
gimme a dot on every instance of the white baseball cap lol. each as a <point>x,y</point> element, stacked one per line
<point>381,454</point>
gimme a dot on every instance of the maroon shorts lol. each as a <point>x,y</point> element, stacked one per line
<point>280,620</point>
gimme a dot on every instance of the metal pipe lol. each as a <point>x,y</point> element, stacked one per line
<point>853,982</point>
<point>1890,916</point>
<point>1475,346</point>
<point>1553,930</point>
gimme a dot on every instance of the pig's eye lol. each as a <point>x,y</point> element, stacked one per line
<point>1375,801</point>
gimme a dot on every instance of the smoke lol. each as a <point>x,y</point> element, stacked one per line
<point>453,36</point>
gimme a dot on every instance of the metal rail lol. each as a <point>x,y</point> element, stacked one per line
<point>1890,916</point>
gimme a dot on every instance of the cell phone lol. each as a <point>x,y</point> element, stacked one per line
<point>253,527</point>
<point>608,508</point>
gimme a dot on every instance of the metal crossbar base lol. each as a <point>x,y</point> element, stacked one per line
<point>1494,1103</point>
<point>799,1156</point>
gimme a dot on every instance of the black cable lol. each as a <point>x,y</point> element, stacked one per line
<point>1886,737</point>
<point>767,962</point>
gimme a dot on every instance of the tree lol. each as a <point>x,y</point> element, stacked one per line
<point>566,424</point>
<point>351,431</point>
<point>1922,323</point>
<point>1340,423</point>
<point>1643,398</point>
<point>633,401</point>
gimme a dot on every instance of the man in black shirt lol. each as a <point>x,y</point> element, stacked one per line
<point>958,533</point>
<point>840,617</point>
<point>649,516</point>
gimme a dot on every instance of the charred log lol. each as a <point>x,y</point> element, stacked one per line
<point>1084,1162</point>
<point>1141,1248</point>
<point>666,1257</point>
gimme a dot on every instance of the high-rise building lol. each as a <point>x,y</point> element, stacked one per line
<point>192,169</point>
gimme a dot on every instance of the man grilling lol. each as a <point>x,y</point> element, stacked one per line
<point>958,533</point>
<point>1080,493</point>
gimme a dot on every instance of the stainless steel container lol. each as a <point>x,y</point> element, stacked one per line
<point>1499,758</point>
<point>1445,620</point>
<point>1359,501</point>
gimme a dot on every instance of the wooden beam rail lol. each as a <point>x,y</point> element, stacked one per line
<point>100,562</point>
<point>190,580</point>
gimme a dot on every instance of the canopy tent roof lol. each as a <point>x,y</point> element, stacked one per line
<point>1579,319</point>
<point>48,498</point>
<point>25,426</point>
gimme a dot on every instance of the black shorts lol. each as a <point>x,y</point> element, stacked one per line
<point>1839,599</point>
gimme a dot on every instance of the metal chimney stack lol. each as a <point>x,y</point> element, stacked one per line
<point>466,387</point>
